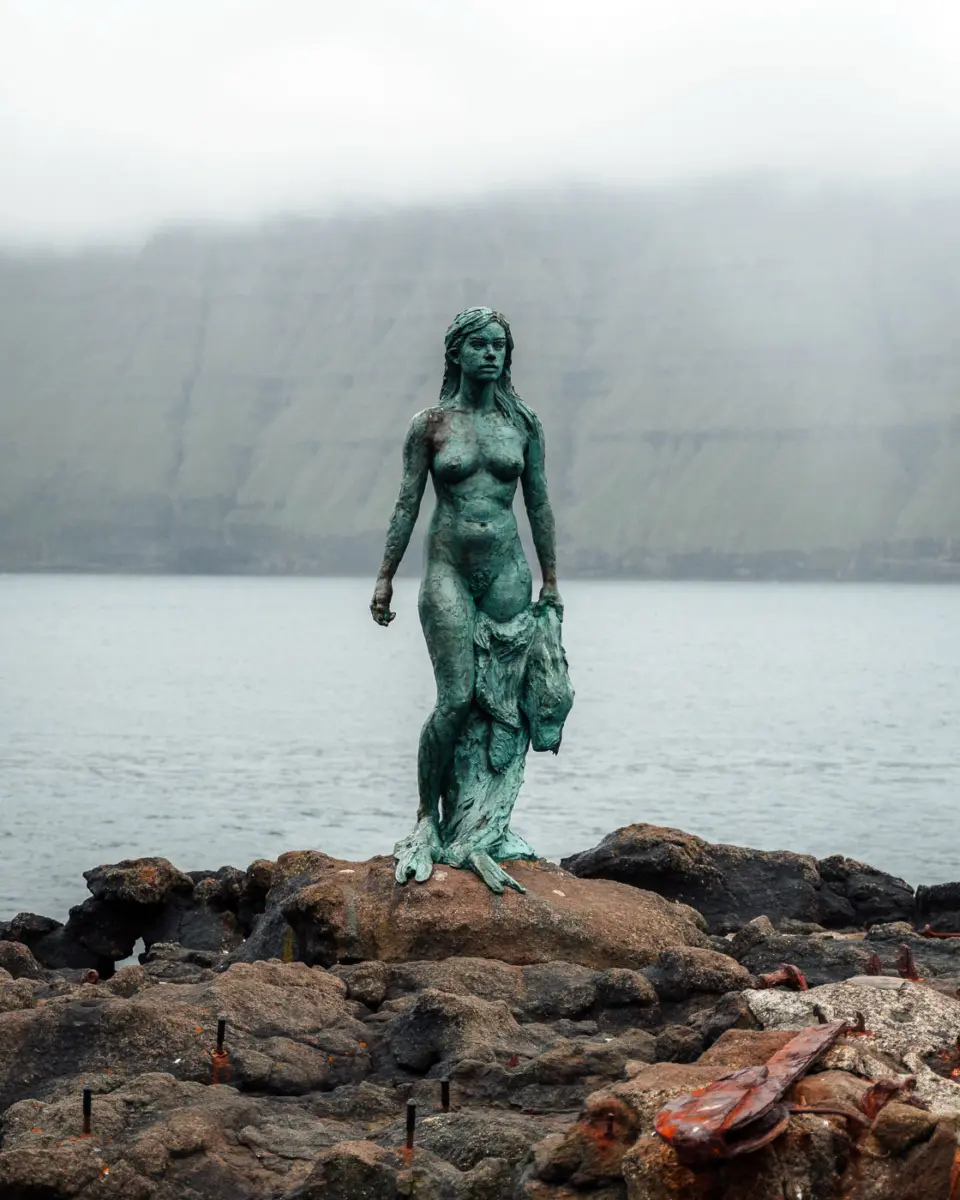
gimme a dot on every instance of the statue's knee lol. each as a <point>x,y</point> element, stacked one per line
<point>455,710</point>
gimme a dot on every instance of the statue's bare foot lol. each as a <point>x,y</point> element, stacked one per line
<point>492,874</point>
<point>417,852</point>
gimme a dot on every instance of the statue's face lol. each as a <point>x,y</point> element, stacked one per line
<point>483,353</point>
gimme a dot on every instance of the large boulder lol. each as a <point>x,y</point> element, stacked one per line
<point>730,885</point>
<point>353,911</point>
<point>440,1026</point>
<point>289,1031</point>
<point>158,1138</point>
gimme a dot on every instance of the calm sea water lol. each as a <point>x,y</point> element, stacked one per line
<point>220,720</point>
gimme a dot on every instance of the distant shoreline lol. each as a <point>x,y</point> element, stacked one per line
<point>946,573</point>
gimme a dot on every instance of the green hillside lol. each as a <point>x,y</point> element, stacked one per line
<point>733,379</point>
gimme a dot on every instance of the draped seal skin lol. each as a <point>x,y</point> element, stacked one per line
<point>498,659</point>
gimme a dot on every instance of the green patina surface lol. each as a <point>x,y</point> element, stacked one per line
<point>498,660</point>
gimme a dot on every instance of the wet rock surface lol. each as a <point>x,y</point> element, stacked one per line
<point>561,1022</point>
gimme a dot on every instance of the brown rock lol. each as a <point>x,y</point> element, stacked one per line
<point>620,988</point>
<point>541,991</point>
<point>160,1139</point>
<point>687,970</point>
<point>739,1048</point>
<point>899,1126</point>
<point>652,1172</point>
<point>827,1086</point>
<point>924,1170</point>
<point>440,1026</point>
<point>138,881</point>
<point>351,1171</point>
<point>366,982</point>
<point>128,981</point>
<point>288,1031</point>
<point>18,961</point>
<point>361,1170</point>
<point>355,911</point>
<point>802,1162</point>
<point>18,995</point>
<point>678,1043</point>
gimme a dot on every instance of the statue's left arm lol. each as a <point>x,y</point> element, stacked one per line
<point>534,483</point>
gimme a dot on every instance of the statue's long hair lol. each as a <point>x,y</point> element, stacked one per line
<point>504,396</point>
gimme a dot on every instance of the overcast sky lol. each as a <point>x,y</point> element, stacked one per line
<point>118,115</point>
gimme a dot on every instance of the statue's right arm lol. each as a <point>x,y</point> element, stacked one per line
<point>416,467</point>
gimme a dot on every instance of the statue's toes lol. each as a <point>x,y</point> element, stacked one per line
<point>490,873</point>
<point>511,882</point>
<point>405,869</point>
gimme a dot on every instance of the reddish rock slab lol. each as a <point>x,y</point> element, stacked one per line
<point>355,911</point>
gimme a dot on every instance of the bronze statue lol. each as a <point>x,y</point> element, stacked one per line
<point>499,665</point>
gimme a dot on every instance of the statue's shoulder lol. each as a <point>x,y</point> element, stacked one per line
<point>427,419</point>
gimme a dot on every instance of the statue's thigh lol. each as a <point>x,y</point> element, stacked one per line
<point>448,618</point>
<point>509,593</point>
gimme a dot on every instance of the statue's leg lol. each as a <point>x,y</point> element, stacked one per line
<point>448,617</point>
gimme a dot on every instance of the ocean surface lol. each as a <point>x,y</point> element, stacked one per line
<point>219,720</point>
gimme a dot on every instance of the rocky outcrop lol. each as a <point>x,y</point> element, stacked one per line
<point>290,1031</point>
<point>560,1021</point>
<point>729,885</point>
<point>826,957</point>
<point>819,1155</point>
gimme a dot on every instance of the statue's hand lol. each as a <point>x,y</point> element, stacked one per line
<point>550,596</point>
<point>380,604</point>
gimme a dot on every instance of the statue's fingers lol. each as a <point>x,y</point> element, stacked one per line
<point>424,870</point>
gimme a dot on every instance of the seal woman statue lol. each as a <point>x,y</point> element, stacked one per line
<point>497,658</point>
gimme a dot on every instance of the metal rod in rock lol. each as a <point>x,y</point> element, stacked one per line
<point>411,1123</point>
<point>445,1095</point>
<point>87,1110</point>
<point>221,1033</point>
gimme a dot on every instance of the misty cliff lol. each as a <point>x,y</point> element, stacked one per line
<point>732,379</point>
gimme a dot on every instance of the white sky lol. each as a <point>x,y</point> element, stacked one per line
<point>117,115</point>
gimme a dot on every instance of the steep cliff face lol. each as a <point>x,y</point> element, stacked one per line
<point>731,379</point>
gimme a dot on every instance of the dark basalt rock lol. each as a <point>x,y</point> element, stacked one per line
<point>730,885</point>
<point>939,907</point>
<point>874,896</point>
<point>821,959</point>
